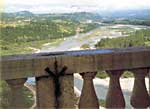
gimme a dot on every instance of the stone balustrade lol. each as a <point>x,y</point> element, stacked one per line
<point>54,76</point>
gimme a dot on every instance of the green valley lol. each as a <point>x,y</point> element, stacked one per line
<point>20,33</point>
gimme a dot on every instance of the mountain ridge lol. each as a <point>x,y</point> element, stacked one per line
<point>137,13</point>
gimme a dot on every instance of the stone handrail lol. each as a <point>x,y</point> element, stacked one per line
<point>54,76</point>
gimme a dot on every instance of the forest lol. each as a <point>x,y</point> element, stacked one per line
<point>145,22</point>
<point>135,39</point>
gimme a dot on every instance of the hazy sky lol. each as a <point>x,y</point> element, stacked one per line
<point>63,6</point>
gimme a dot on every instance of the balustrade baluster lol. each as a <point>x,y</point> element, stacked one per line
<point>88,97</point>
<point>114,98</point>
<point>140,97</point>
<point>149,80</point>
<point>17,99</point>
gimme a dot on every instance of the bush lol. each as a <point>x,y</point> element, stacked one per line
<point>127,74</point>
<point>85,46</point>
<point>102,102</point>
<point>102,75</point>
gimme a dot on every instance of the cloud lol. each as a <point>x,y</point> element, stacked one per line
<point>46,6</point>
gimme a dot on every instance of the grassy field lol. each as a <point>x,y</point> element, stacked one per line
<point>28,47</point>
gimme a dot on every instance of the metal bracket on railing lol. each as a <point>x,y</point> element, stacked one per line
<point>56,76</point>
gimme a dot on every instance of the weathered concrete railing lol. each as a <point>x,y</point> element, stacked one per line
<point>54,76</point>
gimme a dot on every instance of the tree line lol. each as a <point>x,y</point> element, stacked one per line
<point>135,39</point>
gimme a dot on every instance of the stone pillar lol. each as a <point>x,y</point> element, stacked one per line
<point>140,97</point>
<point>115,98</point>
<point>88,97</point>
<point>17,98</point>
<point>46,98</point>
<point>45,93</point>
<point>67,97</point>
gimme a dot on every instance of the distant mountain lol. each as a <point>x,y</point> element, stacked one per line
<point>139,14</point>
<point>24,13</point>
<point>79,16</point>
<point>82,16</point>
<point>16,15</point>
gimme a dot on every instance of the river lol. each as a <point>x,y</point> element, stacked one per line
<point>91,38</point>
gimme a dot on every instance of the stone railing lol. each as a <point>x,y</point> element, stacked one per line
<point>54,76</point>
